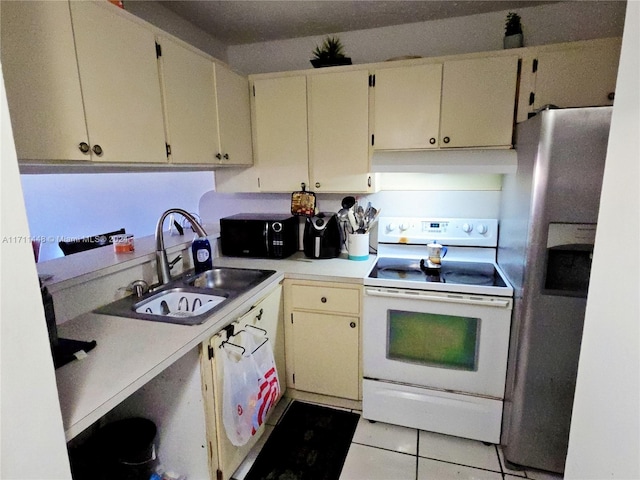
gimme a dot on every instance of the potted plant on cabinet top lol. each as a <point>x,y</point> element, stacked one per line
<point>513,31</point>
<point>330,54</point>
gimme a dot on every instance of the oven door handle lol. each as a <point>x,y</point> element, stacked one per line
<point>426,296</point>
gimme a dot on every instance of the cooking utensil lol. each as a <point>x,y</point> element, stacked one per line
<point>348,202</point>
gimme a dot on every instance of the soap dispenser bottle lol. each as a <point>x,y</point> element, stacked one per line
<point>201,251</point>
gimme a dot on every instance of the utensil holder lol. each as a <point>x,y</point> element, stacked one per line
<point>358,246</point>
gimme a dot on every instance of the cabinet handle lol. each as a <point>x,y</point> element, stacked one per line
<point>317,184</point>
<point>611,96</point>
<point>259,315</point>
<point>84,147</point>
<point>369,181</point>
<point>352,324</point>
<point>446,139</point>
<point>97,149</point>
<point>432,141</point>
<point>226,156</point>
<point>219,156</point>
<point>323,299</point>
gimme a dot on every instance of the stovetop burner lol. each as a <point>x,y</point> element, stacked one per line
<point>451,272</point>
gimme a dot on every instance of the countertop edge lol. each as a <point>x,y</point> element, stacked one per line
<point>219,320</point>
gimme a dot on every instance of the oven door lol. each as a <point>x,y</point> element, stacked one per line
<point>443,341</point>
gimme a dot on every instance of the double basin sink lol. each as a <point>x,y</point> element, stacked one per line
<point>191,299</point>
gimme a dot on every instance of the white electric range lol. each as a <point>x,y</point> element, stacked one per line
<point>435,340</point>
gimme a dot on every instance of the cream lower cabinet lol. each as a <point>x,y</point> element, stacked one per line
<point>322,338</point>
<point>308,130</point>
<point>267,314</point>
<point>455,103</point>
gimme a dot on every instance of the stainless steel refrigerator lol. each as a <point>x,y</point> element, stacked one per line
<point>549,211</point>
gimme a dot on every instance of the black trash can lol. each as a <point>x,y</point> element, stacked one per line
<point>128,448</point>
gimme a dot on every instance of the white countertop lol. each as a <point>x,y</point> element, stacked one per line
<point>130,352</point>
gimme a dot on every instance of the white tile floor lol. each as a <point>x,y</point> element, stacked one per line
<point>380,451</point>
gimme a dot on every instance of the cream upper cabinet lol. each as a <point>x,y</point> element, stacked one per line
<point>120,85</point>
<point>42,82</point>
<point>455,103</point>
<point>234,117</point>
<point>478,102</point>
<point>339,132</point>
<point>580,74</point>
<point>308,130</point>
<point>280,132</point>
<point>407,107</point>
<point>191,114</point>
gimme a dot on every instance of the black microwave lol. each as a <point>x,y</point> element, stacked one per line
<point>259,235</point>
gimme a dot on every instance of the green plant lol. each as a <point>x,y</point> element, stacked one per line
<point>512,25</point>
<point>330,48</point>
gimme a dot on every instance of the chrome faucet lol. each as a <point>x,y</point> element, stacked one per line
<point>162,263</point>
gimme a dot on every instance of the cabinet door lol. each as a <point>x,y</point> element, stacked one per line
<point>339,132</point>
<point>326,354</point>
<point>281,148</point>
<point>42,82</point>
<point>577,77</point>
<point>120,84</point>
<point>266,314</point>
<point>234,113</point>
<point>478,102</point>
<point>189,95</point>
<point>407,107</point>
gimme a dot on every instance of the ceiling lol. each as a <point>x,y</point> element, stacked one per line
<point>236,22</point>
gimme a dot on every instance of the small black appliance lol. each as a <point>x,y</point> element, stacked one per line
<point>259,235</point>
<point>322,237</point>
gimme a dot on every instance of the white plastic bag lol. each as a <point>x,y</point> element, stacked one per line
<point>239,395</point>
<point>268,384</point>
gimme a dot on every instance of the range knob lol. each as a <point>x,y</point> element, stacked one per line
<point>482,229</point>
<point>391,227</point>
<point>466,228</point>
<point>404,226</point>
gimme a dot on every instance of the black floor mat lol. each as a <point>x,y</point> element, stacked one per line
<point>309,443</point>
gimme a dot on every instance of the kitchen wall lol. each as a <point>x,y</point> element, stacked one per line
<point>32,443</point>
<point>552,23</point>
<point>79,205</point>
<point>478,200</point>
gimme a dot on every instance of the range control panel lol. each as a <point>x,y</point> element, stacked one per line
<point>467,232</point>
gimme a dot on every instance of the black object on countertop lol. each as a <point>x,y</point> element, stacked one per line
<point>309,443</point>
<point>63,350</point>
<point>66,349</point>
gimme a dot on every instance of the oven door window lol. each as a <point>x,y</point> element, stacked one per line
<point>444,341</point>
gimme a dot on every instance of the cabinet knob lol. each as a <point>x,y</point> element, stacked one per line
<point>97,149</point>
<point>323,299</point>
<point>352,324</point>
<point>317,184</point>
<point>432,141</point>
<point>446,139</point>
<point>219,156</point>
<point>84,147</point>
<point>226,156</point>
<point>611,96</point>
